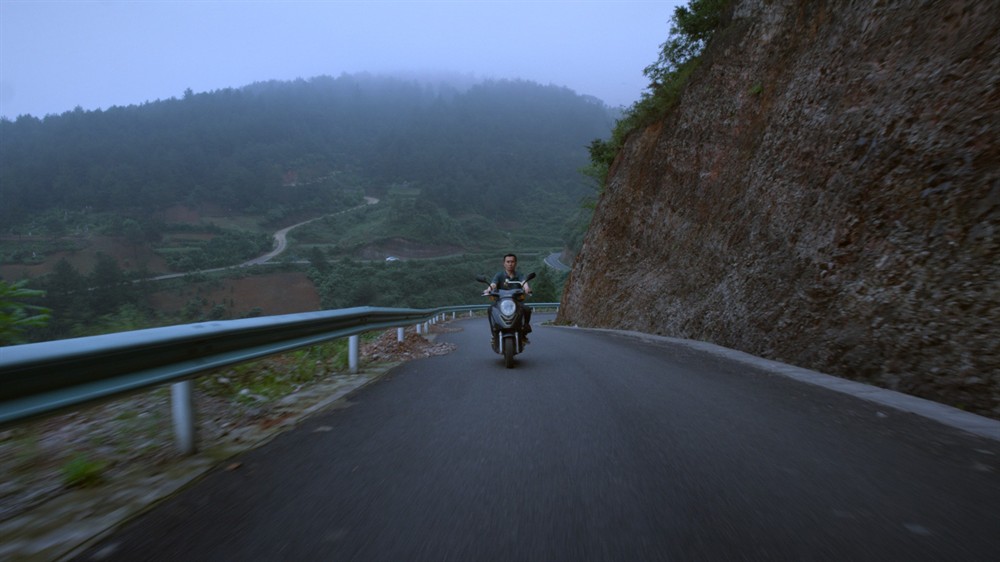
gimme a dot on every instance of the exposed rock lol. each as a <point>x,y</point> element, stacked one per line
<point>826,193</point>
<point>388,348</point>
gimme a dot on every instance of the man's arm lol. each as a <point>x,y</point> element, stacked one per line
<point>492,286</point>
<point>497,279</point>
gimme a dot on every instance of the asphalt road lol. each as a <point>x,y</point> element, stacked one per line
<point>595,447</point>
<point>552,260</point>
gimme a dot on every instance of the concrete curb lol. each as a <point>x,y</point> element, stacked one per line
<point>941,413</point>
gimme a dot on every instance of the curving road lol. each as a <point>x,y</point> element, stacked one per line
<point>281,236</point>
<point>553,261</point>
<point>280,245</point>
<point>597,446</point>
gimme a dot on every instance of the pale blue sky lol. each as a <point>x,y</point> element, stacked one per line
<point>56,55</point>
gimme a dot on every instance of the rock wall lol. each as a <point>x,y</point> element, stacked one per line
<point>826,193</point>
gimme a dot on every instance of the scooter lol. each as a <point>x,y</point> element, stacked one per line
<point>507,318</point>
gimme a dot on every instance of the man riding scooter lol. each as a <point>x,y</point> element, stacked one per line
<point>509,273</point>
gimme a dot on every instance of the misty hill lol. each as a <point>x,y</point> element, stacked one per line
<point>244,148</point>
<point>825,192</point>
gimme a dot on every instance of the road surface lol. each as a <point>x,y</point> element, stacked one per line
<point>595,447</point>
<point>552,260</point>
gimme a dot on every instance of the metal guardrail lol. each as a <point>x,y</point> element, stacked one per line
<point>42,378</point>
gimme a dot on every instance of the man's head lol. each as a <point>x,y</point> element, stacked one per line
<point>510,263</point>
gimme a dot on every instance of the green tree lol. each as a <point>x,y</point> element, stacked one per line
<point>126,318</point>
<point>63,283</point>
<point>108,286</point>
<point>66,295</point>
<point>693,25</point>
<point>217,312</point>
<point>17,315</point>
<point>543,289</point>
<point>317,259</point>
<point>55,225</point>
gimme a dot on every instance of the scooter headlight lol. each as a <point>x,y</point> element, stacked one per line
<point>507,307</point>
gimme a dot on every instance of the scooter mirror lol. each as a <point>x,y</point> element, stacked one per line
<point>481,279</point>
<point>530,276</point>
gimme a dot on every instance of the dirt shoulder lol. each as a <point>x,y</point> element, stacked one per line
<point>68,479</point>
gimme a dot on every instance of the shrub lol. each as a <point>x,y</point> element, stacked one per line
<point>16,314</point>
<point>692,28</point>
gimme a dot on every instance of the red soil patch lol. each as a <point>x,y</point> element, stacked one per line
<point>273,294</point>
<point>181,214</point>
<point>129,256</point>
<point>190,236</point>
<point>191,215</point>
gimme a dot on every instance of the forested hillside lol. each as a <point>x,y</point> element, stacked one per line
<point>93,201</point>
<point>237,147</point>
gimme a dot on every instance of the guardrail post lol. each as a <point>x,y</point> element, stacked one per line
<point>400,334</point>
<point>182,404</point>
<point>352,353</point>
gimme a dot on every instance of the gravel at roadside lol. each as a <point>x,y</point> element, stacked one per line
<point>67,479</point>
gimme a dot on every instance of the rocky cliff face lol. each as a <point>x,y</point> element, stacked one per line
<point>826,193</point>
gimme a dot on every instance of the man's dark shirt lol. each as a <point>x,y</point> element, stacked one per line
<point>498,280</point>
<point>500,277</point>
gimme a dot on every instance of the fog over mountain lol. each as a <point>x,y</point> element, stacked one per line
<point>60,54</point>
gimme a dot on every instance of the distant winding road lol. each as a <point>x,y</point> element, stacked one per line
<point>280,244</point>
<point>281,237</point>
<point>553,261</point>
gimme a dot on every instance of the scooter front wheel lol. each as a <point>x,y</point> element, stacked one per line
<point>508,352</point>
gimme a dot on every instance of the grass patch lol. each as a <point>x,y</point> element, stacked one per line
<point>83,472</point>
<point>278,376</point>
<point>405,191</point>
